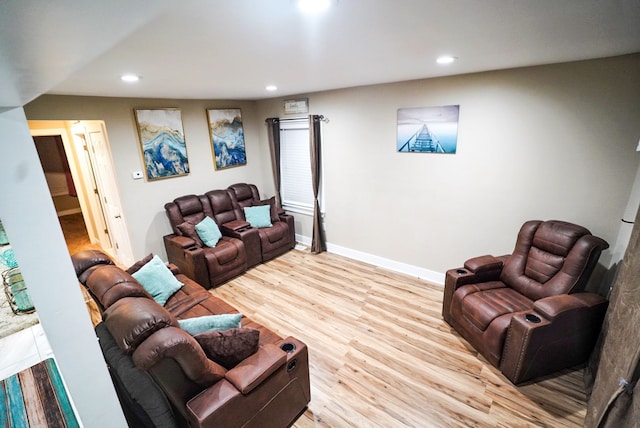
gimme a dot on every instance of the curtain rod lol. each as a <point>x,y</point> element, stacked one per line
<point>290,119</point>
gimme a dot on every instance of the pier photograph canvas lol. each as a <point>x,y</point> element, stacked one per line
<point>162,142</point>
<point>227,137</point>
<point>428,129</point>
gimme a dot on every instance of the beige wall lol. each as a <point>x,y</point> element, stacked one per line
<point>544,142</point>
<point>534,143</point>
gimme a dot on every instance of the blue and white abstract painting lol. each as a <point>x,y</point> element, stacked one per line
<point>163,146</point>
<point>227,137</point>
<point>428,129</point>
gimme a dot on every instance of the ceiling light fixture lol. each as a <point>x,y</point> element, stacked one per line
<point>446,59</point>
<point>313,6</point>
<point>271,88</point>
<point>129,78</point>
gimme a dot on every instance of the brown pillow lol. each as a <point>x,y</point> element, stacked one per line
<point>137,265</point>
<point>229,347</point>
<point>274,209</point>
<point>189,230</point>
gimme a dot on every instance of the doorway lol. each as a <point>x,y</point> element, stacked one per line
<point>90,180</point>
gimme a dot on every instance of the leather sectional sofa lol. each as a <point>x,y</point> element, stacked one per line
<point>162,374</point>
<point>241,246</point>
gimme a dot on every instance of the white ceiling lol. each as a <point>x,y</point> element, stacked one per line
<point>231,49</point>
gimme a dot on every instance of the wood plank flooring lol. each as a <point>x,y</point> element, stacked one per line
<point>381,355</point>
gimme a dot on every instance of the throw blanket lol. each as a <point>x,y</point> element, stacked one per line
<point>36,397</point>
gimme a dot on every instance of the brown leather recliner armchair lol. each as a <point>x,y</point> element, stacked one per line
<point>527,313</point>
<point>274,240</point>
<point>207,266</point>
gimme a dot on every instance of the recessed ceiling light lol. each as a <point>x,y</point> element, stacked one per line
<point>314,6</point>
<point>271,88</point>
<point>446,59</point>
<point>129,78</point>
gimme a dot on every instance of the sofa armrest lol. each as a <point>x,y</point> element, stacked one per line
<point>250,373</point>
<point>554,307</point>
<point>183,253</point>
<point>478,269</point>
<point>235,226</point>
<point>559,332</point>
<point>175,343</point>
<point>481,264</point>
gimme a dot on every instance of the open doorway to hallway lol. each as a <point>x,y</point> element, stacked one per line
<point>63,191</point>
<point>90,180</point>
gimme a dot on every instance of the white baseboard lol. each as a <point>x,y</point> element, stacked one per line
<point>404,268</point>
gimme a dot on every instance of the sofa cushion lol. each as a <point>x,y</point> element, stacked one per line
<point>137,265</point>
<point>109,284</point>
<point>131,320</point>
<point>229,347</point>
<point>258,216</point>
<point>158,280</point>
<point>273,209</point>
<point>189,230</point>
<point>208,231</point>
<point>198,325</point>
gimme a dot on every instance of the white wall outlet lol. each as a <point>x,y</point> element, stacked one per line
<point>136,175</point>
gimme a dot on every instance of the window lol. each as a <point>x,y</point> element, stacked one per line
<point>296,190</point>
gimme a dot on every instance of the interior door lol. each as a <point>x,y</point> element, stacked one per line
<point>94,215</point>
<point>104,175</point>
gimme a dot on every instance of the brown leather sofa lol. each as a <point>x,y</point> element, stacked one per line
<point>241,247</point>
<point>527,313</point>
<point>162,374</point>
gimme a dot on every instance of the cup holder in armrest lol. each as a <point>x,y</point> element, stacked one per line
<point>461,271</point>
<point>288,347</point>
<point>532,318</point>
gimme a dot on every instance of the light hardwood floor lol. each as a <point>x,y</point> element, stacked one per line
<point>381,355</point>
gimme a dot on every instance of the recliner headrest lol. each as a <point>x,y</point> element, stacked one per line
<point>85,262</point>
<point>189,205</point>
<point>558,237</point>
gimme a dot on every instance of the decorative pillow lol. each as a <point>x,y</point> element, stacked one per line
<point>158,280</point>
<point>229,347</point>
<point>199,325</point>
<point>208,231</point>
<point>189,230</point>
<point>258,216</point>
<point>272,206</point>
<point>137,265</point>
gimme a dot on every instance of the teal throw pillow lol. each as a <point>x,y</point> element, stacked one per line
<point>157,279</point>
<point>209,232</point>
<point>205,323</point>
<point>258,216</point>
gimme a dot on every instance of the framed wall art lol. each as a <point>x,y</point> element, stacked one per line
<point>162,143</point>
<point>428,129</point>
<point>227,137</point>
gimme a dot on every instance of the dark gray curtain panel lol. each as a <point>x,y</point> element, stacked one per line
<point>318,243</point>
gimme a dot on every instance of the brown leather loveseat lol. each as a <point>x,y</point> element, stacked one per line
<point>241,246</point>
<point>528,313</point>
<point>163,376</point>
